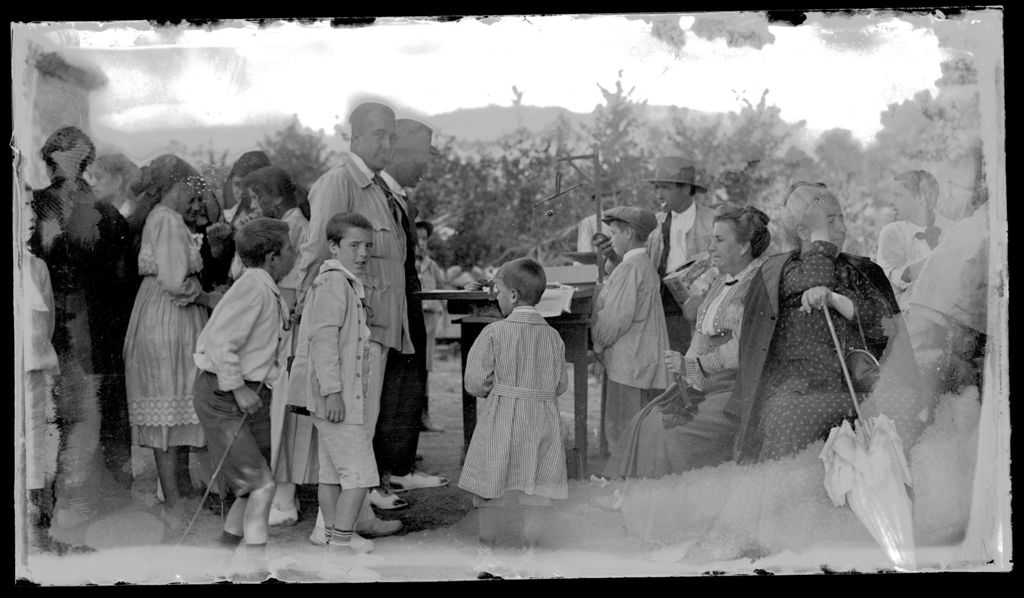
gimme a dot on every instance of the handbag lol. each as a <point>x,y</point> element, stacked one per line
<point>861,363</point>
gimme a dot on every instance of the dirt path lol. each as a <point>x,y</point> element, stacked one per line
<point>438,540</point>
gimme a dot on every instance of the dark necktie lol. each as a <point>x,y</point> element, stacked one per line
<point>666,230</point>
<point>396,210</point>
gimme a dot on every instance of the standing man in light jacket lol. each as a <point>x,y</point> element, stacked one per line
<point>356,185</point>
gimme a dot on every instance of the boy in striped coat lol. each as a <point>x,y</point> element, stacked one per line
<point>516,457</point>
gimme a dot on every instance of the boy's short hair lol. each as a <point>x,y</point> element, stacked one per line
<point>259,238</point>
<point>526,277</point>
<point>339,225</point>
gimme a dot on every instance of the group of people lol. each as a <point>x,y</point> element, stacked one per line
<point>761,377</point>
<point>174,314</point>
<point>282,331</point>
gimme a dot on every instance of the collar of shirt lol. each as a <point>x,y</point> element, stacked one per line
<point>524,309</point>
<point>687,212</point>
<point>392,183</point>
<point>634,251</point>
<point>361,165</point>
<point>333,264</point>
<point>263,276</point>
<point>746,272</point>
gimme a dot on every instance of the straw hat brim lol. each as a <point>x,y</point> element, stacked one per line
<point>700,188</point>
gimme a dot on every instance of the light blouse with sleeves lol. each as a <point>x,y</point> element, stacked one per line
<point>899,247</point>
<point>171,254</point>
<point>298,232</point>
<point>715,345</point>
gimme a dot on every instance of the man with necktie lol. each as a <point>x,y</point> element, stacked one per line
<point>405,387</point>
<point>684,230</point>
<point>350,187</point>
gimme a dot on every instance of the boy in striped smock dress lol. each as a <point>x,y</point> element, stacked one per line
<point>516,458</point>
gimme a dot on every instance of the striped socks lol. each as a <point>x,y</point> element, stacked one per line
<point>339,537</point>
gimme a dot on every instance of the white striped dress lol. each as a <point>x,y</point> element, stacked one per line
<point>519,365</point>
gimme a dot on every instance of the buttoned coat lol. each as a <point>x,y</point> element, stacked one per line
<point>345,188</point>
<point>760,315</point>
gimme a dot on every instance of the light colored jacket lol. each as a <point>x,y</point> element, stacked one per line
<point>697,238</point>
<point>629,327</point>
<point>346,188</point>
<point>332,344</point>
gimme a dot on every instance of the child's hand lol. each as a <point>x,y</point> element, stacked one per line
<point>673,362</point>
<point>335,408</point>
<point>248,400</point>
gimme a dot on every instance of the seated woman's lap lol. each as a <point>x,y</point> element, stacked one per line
<point>790,420</point>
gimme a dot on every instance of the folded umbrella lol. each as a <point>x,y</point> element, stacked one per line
<point>866,468</point>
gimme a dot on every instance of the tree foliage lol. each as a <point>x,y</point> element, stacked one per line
<point>302,153</point>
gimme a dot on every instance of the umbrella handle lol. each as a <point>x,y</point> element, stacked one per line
<point>842,362</point>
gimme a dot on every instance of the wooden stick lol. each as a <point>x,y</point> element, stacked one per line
<point>842,363</point>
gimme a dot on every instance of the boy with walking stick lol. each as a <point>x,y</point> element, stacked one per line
<point>237,353</point>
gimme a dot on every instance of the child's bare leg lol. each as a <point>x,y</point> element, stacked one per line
<point>534,521</point>
<point>490,523</point>
<point>284,496</point>
<point>257,512</point>
<point>347,508</point>
<point>167,471</point>
<point>234,523</point>
<point>327,495</point>
<point>284,509</point>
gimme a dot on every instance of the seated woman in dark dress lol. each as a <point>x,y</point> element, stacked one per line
<point>790,387</point>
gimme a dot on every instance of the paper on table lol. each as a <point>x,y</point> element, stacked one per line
<point>556,300</point>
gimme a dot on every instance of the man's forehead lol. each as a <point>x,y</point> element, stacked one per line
<point>381,121</point>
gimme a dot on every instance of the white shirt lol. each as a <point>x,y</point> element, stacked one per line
<point>396,188</point>
<point>242,339</point>
<point>899,248</point>
<point>681,224</point>
<point>635,251</point>
<point>585,233</point>
<point>361,165</point>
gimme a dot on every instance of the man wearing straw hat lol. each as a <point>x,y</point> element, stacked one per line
<point>684,230</point>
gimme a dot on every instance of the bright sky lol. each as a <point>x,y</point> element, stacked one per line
<point>832,73</point>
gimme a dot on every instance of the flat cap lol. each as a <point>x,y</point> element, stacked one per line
<point>643,220</point>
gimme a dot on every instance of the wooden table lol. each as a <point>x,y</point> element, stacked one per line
<point>478,309</point>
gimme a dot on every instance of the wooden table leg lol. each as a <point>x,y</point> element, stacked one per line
<point>603,438</point>
<point>579,375</point>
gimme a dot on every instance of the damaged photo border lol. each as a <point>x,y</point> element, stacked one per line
<point>50,85</point>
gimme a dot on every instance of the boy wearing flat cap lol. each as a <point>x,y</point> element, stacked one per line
<point>628,325</point>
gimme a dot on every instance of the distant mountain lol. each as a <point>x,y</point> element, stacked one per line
<point>143,146</point>
<point>490,123</point>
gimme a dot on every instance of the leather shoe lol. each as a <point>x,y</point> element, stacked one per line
<point>428,426</point>
<point>378,528</point>
<point>416,479</point>
<point>383,498</point>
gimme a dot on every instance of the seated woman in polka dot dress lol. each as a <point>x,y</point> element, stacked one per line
<point>790,388</point>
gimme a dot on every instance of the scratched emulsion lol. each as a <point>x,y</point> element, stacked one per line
<point>148,88</point>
